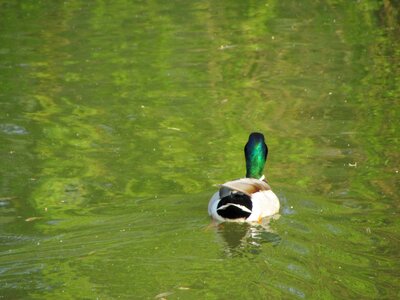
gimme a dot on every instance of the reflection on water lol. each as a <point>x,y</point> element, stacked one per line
<point>242,238</point>
<point>12,129</point>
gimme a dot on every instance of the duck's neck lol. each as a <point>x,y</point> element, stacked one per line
<point>256,152</point>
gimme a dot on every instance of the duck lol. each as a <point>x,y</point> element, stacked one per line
<point>248,199</point>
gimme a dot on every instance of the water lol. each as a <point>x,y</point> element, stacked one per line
<point>118,120</point>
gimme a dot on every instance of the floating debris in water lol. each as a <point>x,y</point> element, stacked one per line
<point>223,47</point>
<point>163,295</point>
<point>33,219</point>
<point>174,128</point>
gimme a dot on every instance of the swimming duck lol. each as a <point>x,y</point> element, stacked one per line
<point>246,199</point>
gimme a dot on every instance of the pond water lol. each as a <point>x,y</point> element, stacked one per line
<point>119,119</point>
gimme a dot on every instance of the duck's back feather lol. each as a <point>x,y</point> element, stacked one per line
<point>247,186</point>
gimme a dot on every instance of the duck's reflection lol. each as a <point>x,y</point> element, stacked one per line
<point>243,238</point>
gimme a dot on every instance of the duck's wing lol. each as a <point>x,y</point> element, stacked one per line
<point>247,186</point>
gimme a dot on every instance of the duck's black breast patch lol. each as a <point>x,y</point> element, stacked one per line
<point>232,211</point>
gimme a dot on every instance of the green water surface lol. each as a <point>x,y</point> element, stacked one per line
<point>119,118</point>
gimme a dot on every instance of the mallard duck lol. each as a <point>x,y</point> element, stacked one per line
<point>246,199</point>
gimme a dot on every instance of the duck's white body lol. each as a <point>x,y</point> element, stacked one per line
<point>243,200</point>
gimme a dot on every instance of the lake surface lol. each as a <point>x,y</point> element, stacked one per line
<point>119,119</point>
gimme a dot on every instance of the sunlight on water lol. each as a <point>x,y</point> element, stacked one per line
<point>119,120</point>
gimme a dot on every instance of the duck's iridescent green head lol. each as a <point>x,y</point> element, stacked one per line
<point>256,152</point>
